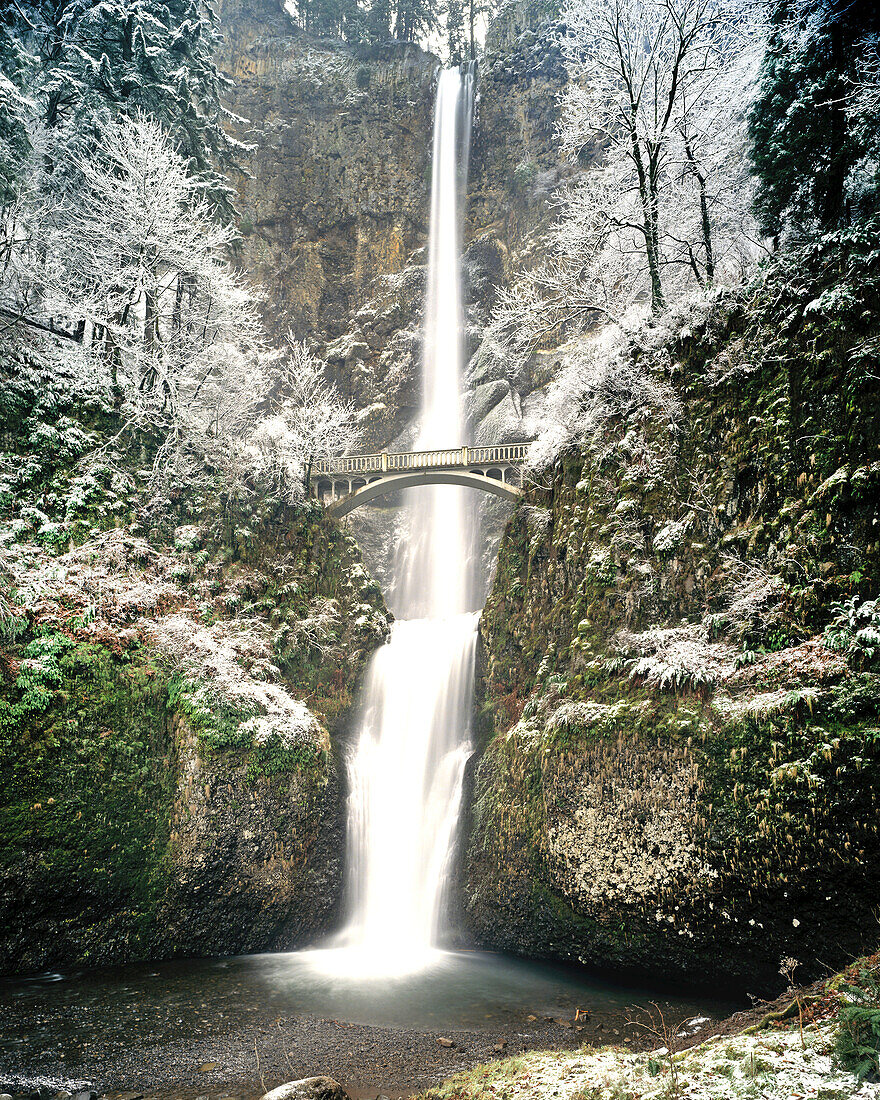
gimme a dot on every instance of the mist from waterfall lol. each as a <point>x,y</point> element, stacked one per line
<point>407,764</point>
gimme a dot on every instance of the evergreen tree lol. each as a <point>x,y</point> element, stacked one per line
<point>15,64</point>
<point>456,38</point>
<point>374,20</point>
<point>805,143</point>
<point>378,21</point>
<point>333,19</point>
<point>101,59</point>
<point>414,20</point>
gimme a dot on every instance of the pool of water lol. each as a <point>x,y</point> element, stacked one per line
<point>182,1000</point>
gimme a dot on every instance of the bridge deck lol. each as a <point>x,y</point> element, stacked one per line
<point>509,454</point>
<point>343,484</point>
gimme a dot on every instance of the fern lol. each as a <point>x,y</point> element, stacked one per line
<point>858,1041</point>
<point>855,631</point>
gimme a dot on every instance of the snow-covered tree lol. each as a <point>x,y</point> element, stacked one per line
<point>813,131</point>
<point>97,61</point>
<point>658,92</point>
<point>606,379</point>
<point>129,264</point>
<point>308,419</point>
<point>655,115</point>
<point>15,107</point>
<point>135,255</point>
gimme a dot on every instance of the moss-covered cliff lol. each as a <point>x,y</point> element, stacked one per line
<point>682,754</point>
<point>174,665</point>
<point>163,792</point>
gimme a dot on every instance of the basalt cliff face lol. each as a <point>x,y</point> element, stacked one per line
<point>680,765</point>
<point>516,167</point>
<point>334,198</point>
<point>335,193</point>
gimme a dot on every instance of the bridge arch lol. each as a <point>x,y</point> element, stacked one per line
<point>393,482</point>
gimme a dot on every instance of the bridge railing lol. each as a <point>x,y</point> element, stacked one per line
<point>389,462</point>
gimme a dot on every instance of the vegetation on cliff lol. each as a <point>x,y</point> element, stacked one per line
<point>174,613</point>
<point>681,685</point>
<point>168,692</point>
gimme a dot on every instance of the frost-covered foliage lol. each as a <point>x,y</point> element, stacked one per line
<point>230,663</point>
<point>119,590</point>
<point>81,66</point>
<point>855,630</point>
<point>674,658</point>
<point>662,87</point>
<point>133,258</point>
<point>656,107</point>
<point>119,284</point>
<point>864,104</point>
<point>15,109</point>
<point>318,630</point>
<point>754,602</point>
<point>814,125</point>
<point>601,382</point>
<point>307,418</point>
<point>763,1066</point>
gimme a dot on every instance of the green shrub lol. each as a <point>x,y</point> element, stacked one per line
<point>858,1040</point>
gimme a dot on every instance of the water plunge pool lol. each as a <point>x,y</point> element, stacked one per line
<point>154,1027</point>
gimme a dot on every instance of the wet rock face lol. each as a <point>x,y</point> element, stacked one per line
<point>377,361</point>
<point>335,200</point>
<point>151,820</point>
<point>255,866</point>
<point>516,166</point>
<point>515,158</point>
<point>681,773</point>
<point>337,181</point>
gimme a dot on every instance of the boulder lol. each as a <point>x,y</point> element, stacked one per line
<point>310,1088</point>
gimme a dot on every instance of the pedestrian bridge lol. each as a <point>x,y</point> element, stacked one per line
<point>343,484</point>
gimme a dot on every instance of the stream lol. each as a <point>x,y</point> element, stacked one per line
<point>194,1027</point>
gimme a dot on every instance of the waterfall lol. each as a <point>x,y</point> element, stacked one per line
<point>433,570</point>
<point>407,765</point>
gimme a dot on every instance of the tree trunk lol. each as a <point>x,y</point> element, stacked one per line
<point>705,222</point>
<point>648,197</point>
<point>307,477</point>
<point>471,21</point>
<point>832,209</point>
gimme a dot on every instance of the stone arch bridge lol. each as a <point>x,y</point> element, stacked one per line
<point>343,484</point>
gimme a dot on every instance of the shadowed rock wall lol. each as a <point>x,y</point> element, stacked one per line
<point>337,180</point>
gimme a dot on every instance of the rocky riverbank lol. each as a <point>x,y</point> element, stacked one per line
<point>207,1050</point>
<point>218,1046</point>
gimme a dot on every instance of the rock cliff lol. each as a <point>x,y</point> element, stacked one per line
<point>681,759</point>
<point>166,790</point>
<point>334,197</point>
<point>335,188</point>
